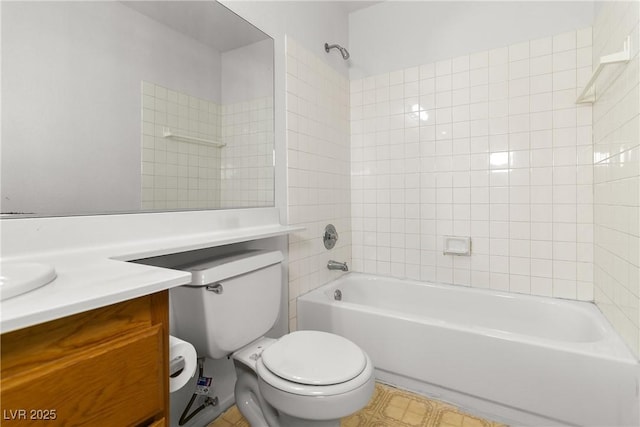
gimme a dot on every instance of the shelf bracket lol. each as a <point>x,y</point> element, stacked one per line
<point>588,95</point>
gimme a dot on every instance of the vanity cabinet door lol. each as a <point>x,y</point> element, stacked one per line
<point>104,367</point>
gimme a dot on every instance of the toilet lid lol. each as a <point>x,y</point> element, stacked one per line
<point>314,358</point>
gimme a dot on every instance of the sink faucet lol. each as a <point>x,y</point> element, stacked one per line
<point>335,265</point>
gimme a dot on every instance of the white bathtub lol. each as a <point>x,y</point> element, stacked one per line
<point>518,358</point>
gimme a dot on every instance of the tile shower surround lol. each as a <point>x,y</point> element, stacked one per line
<point>489,145</point>
<point>180,174</point>
<point>318,169</point>
<point>616,141</point>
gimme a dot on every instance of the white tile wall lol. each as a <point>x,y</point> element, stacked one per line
<point>318,169</point>
<point>489,145</point>
<point>179,174</point>
<point>247,160</point>
<point>616,135</point>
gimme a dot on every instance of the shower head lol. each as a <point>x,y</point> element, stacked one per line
<point>343,51</point>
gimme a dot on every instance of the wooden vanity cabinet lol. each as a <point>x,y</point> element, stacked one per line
<point>104,367</point>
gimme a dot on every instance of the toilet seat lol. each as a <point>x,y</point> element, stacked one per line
<point>314,358</point>
<point>314,363</point>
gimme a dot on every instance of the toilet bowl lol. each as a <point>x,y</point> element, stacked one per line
<point>305,378</point>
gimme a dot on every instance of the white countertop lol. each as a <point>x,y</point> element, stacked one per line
<point>96,275</point>
<point>85,283</point>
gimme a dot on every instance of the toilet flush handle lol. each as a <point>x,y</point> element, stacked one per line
<point>215,288</point>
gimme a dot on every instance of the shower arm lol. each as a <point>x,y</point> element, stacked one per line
<point>328,47</point>
<point>344,52</point>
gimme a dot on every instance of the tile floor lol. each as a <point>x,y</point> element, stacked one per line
<point>389,407</point>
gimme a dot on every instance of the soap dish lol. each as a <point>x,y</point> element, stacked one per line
<point>457,245</point>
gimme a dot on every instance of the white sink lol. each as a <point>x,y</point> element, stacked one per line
<point>17,278</point>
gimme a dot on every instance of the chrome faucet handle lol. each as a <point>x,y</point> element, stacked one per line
<point>330,236</point>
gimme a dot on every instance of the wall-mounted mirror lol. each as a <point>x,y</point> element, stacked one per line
<point>113,107</point>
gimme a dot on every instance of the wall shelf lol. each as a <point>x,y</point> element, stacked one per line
<point>168,133</point>
<point>588,95</point>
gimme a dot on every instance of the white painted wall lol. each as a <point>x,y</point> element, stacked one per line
<point>247,73</point>
<point>399,34</point>
<point>71,100</point>
<point>311,23</point>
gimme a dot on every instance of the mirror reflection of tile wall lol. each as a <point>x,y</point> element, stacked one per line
<point>181,174</point>
<point>247,158</point>
<point>90,151</point>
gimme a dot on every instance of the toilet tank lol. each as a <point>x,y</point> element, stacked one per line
<point>232,300</point>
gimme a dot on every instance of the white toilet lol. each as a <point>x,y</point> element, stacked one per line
<point>305,378</point>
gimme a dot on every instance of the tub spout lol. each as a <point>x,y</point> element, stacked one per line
<point>335,265</point>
